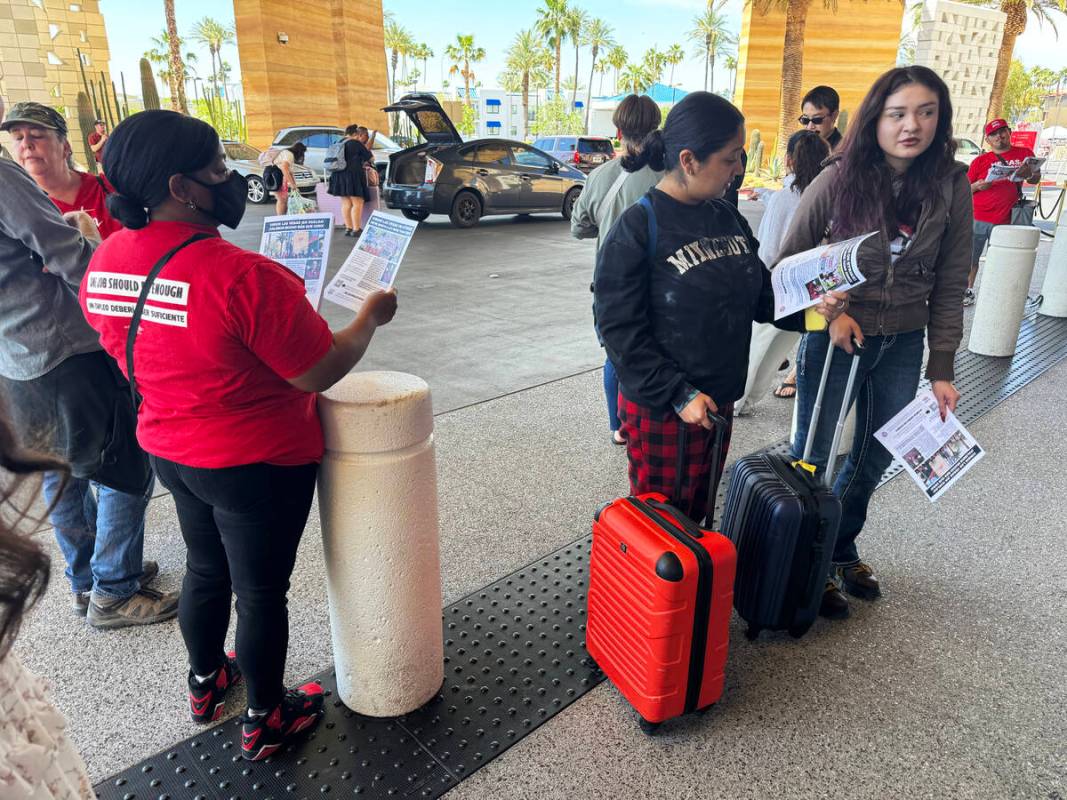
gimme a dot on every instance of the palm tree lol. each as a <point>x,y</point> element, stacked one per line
<point>552,23</point>
<point>1013,28</point>
<point>713,39</point>
<point>177,68</point>
<point>796,17</point>
<point>616,59</point>
<point>213,35</point>
<point>160,56</point>
<point>635,79</point>
<point>674,56</point>
<point>597,35</point>
<point>731,67</point>
<point>462,54</point>
<point>526,58</point>
<point>653,63</point>
<point>576,22</point>
<point>422,52</point>
<point>397,41</point>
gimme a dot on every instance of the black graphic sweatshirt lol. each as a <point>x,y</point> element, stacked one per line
<point>682,320</point>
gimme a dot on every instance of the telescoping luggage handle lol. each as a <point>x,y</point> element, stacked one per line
<point>805,462</point>
<point>720,424</point>
<point>138,310</point>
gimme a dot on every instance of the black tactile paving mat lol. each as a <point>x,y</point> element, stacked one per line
<point>514,657</point>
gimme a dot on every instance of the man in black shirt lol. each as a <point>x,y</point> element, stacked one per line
<point>819,111</point>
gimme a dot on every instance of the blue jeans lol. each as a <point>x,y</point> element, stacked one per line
<point>887,380</point>
<point>102,537</point>
<point>611,394</point>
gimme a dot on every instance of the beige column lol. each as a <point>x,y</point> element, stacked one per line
<point>1054,289</point>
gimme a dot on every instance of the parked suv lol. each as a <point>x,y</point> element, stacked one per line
<point>584,152</point>
<point>244,160</point>
<point>318,138</point>
<point>468,180</point>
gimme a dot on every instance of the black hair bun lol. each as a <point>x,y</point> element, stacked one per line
<point>129,212</point>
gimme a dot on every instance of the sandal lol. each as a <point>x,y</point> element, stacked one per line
<point>786,390</point>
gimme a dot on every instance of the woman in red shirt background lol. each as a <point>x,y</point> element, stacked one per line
<point>229,355</point>
<point>39,134</point>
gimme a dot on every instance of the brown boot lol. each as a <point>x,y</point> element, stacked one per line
<point>834,604</point>
<point>859,581</point>
<point>144,607</point>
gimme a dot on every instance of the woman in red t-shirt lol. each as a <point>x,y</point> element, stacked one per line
<point>229,356</point>
<point>45,154</point>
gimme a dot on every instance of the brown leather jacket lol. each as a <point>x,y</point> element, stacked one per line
<point>924,288</point>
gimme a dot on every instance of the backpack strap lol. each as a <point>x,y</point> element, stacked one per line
<point>135,321</point>
<point>103,186</point>
<point>650,215</point>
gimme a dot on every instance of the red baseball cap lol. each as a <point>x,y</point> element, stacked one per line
<point>994,126</point>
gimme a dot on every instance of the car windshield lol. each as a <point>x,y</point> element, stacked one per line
<point>241,152</point>
<point>594,146</point>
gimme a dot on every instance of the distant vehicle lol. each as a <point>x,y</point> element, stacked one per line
<point>584,152</point>
<point>967,151</point>
<point>469,180</point>
<point>318,138</point>
<point>243,159</point>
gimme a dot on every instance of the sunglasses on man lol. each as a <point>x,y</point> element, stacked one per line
<point>804,119</point>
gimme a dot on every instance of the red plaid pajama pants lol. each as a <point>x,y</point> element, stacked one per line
<point>670,456</point>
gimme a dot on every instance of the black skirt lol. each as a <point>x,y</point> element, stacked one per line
<point>350,181</point>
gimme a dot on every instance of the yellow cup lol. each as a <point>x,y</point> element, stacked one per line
<point>814,321</point>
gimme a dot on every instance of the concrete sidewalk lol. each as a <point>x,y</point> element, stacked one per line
<point>952,685</point>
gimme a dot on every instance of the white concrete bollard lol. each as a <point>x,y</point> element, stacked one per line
<point>1054,288</point>
<point>1009,266</point>
<point>378,507</point>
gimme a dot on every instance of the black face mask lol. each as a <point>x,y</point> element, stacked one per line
<point>229,199</point>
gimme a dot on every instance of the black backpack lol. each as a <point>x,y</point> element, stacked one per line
<point>272,178</point>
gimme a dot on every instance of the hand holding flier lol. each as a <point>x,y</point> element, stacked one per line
<point>805,279</point>
<point>935,451</point>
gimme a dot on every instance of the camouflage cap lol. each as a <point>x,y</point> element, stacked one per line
<point>34,114</point>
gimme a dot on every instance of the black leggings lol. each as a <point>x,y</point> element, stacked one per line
<point>242,526</point>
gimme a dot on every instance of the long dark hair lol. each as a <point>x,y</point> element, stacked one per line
<point>144,151</point>
<point>24,565</point>
<point>808,151</point>
<point>864,199</point>
<point>702,122</point>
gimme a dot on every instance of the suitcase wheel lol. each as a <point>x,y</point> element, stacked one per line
<point>705,709</point>
<point>589,662</point>
<point>649,728</point>
<point>752,633</point>
<point>799,630</point>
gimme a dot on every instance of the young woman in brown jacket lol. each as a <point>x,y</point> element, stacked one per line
<point>897,175</point>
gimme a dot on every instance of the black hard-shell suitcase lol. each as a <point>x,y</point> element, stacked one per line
<point>783,522</point>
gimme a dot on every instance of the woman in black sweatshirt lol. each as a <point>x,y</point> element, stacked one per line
<point>677,286</point>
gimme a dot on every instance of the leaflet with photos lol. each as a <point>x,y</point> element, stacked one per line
<point>301,243</point>
<point>373,263</point>
<point>800,281</point>
<point>934,453</point>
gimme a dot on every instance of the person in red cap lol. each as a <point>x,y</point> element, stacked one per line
<point>993,200</point>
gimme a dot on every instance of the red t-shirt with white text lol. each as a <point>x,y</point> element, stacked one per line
<point>92,199</point>
<point>222,330</point>
<point>994,204</point>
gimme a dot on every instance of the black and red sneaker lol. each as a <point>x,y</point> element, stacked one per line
<point>207,700</point>
<point>262,736</point>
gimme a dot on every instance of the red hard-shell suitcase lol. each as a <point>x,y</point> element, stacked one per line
<point>659,604</point>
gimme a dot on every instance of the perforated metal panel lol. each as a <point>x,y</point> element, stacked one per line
<point>514,657</point>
